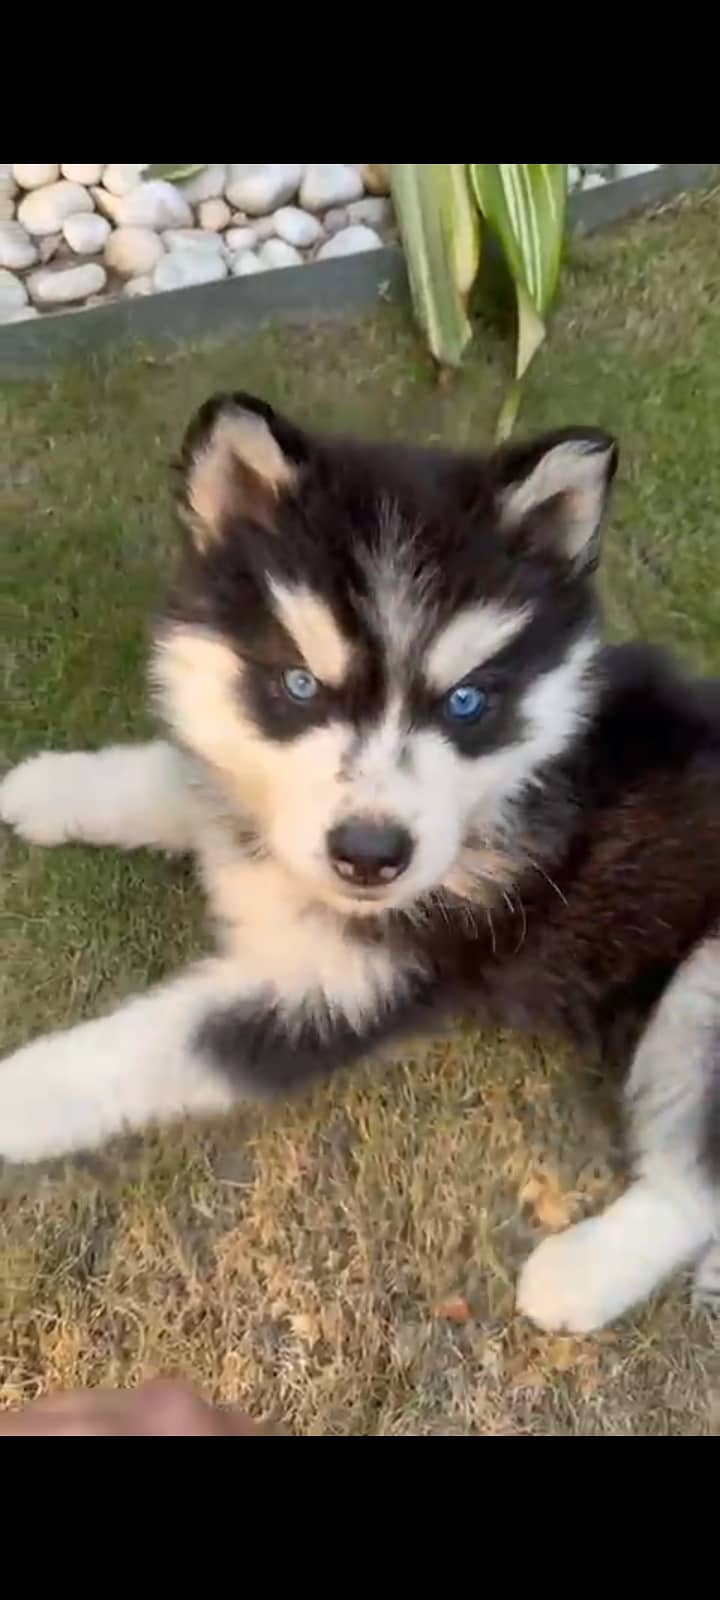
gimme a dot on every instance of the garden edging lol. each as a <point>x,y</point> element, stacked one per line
<point>341,287</point>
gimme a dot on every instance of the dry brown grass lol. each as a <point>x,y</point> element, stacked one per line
<point>347,1264</point>
<point>307,1262</point>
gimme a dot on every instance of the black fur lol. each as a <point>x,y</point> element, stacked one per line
<point>269,1054</point>
<point>617,871</point>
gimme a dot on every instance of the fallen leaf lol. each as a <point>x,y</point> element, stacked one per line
<point>454,1309</point>
<point>564,1354</point>
<point>305,1328</point>
<point>550,1207</point>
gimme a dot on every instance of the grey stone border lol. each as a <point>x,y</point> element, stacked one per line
<point>340,288</point>
<point>591,209</point>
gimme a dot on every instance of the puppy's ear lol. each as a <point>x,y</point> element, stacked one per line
<point>238,458</point>
<point>553,491</point>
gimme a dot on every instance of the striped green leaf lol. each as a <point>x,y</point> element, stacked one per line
<point>440,230</point>
<point>525,207</point>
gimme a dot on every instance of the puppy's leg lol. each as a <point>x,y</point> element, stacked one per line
<point>592,1273</point>
<point>126,795</point>
<point>201,1043</point>
<point>72,1090</point>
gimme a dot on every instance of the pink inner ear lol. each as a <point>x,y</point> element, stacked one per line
<point>564,494</point>
<point>239,471</point>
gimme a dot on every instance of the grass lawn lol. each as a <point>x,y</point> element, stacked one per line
<point>301,1259</point>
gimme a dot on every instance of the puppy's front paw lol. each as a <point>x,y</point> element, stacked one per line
<point>569,1283</point>
<point>45,797</point>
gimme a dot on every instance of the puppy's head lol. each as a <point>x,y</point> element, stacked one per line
<point>377,649</point>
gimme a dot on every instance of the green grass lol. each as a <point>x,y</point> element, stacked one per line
<point>296,1259</point>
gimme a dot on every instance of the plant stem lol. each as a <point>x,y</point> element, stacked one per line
<point>508,411</point>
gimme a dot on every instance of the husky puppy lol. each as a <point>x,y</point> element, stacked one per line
<point>414,781</point>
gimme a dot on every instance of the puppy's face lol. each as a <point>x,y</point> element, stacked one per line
<point>376,650</point>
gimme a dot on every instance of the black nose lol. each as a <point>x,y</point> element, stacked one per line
<point>368,853</point>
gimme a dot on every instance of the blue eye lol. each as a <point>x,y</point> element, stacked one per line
<point>466,702</point>
<point>300,685</point>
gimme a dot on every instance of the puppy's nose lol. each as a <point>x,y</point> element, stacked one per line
<point>369,852</point>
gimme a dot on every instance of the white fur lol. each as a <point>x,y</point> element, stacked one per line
<point>706,1286</point>
<point>581,1279</point>
<point>400,595</point>
<point>473,636</point>
<point>125,795</point>
<point>72,1090</point>
<point>310,622</point>
<point>142,1063</point>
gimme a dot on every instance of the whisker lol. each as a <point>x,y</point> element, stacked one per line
<point>523,930</point>
<point>548,879</point>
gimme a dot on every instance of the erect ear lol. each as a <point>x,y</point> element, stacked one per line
<point>554,490</point>
<point>237,459</point>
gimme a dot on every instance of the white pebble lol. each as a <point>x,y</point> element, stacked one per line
<point>297,227</point>
<point>574,176</point>
<point>214,215</point>
<point>239,239</point>
<point>632,170</point>
<point>12,291</point>
<point>206,185</point>
<point>86,235</point>
<point>156,204</point>
<point>276,253</point>
<point>79,172</point>
<point>16,247</point>
<point>265,227</point>
<point>593,180</point>
<point>138,286</point>
<point>325,185</point>
<point>19,314</point>
<point>335,219</point>
<point>192,239</point>
<point>246,265</point>
<point>50,288</point>
<point>37,175</point>
<point>372,209</point>
<point>261,188</point>
<point>121,177</point>
<point>108,204</point>
<point>181,268</point>
<point>45,210</point>
<point>8,191</point>
<point>350,243</point>
<point>48,247</point>
<point>133,251</point>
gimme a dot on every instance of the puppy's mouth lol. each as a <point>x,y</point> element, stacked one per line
<point>363,897</point>
<point>364,902</point>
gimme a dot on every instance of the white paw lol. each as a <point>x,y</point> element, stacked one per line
<point>45,797</point>
<point>569,1284</point>
<point>53,1096</point>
